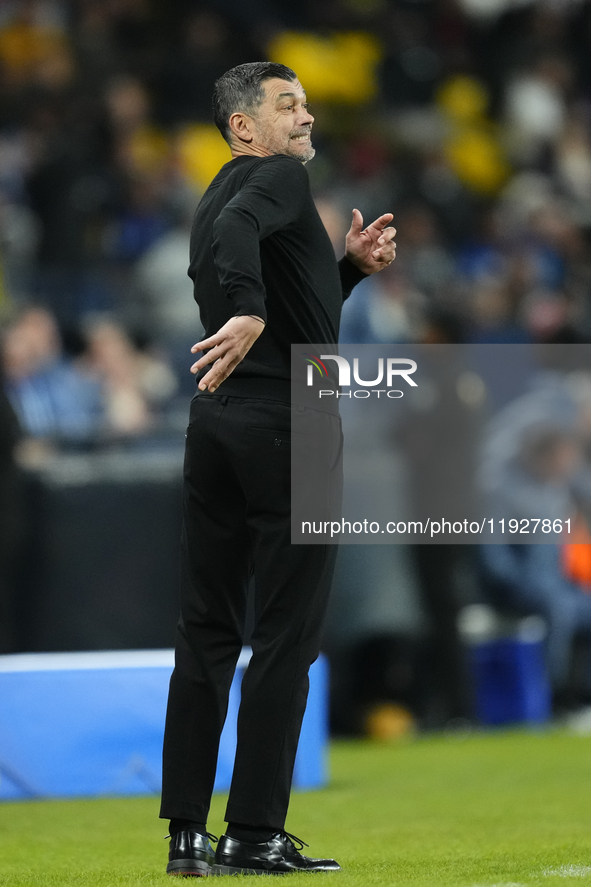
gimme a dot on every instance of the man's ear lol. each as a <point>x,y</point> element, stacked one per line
<point>241,127</point>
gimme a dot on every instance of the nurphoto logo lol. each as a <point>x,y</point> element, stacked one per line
<point>389,371</point>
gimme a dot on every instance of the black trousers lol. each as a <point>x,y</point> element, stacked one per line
<point>236,521</point>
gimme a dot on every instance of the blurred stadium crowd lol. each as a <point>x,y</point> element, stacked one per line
<point>469,119</point>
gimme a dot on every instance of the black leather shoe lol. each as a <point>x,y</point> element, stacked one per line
<point>190,853</point>
<point>275,857</point>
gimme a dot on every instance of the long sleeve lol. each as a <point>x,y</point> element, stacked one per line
<point>350,276</point>
<point>258,246</point>
<point>270,200</point>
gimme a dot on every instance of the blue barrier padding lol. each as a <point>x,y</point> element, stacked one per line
<point>511,683</point>
<point>92,724</point>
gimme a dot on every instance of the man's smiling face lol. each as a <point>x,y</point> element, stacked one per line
<point>283,124</point>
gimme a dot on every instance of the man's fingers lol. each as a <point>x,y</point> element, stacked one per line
<point>229,330</point>
<point>214,377</point>
<point>208,382</point>
<point>381,222</point>
<point>386,249</point>
<point>214,353</point>
<point>389,252</point>
<point>225,349</point>
<point>206,343</point>
<point>224,357</point>
<point>384,257</point>
<point>357,222</point>
<point>219,371</point>
<point>386,236</point>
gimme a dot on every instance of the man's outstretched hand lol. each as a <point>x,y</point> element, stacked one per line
<point>227,348</point>
<point>371,248</point>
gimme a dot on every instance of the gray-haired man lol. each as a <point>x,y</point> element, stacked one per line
<point>265,277</point>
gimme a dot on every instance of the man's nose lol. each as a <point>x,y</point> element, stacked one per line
<point>306,118</point>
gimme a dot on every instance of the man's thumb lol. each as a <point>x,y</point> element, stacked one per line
<point>357,222</point>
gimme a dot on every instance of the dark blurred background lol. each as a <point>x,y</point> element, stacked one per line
<point>469,119</point>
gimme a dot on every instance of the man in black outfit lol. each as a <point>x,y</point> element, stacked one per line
<point>265,277</point>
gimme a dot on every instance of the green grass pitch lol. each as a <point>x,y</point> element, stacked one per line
<point>487,810</point>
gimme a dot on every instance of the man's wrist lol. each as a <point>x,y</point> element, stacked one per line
<point>254,317</point>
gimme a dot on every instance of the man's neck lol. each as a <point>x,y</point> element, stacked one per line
<point>248,151</point>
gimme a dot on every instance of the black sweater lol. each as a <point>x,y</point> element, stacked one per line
<point>258,246</point>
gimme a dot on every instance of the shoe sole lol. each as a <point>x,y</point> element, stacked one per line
<point>190,867</point>
<point>233,870</point>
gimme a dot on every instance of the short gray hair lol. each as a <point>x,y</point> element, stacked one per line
<point>241,89</point>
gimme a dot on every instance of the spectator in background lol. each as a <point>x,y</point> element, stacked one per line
<point>112,389</point>
<point>133,383</point>
<point>52,398</point>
